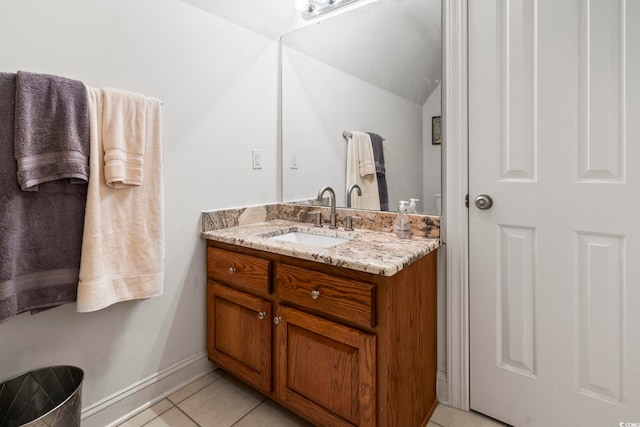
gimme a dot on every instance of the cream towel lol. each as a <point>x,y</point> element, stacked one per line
<point>359,160</point>
<point>123,242</point>
<point>366,161</point>
<point>123,136</point>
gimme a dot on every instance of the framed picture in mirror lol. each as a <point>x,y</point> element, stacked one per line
<point>436,133</point>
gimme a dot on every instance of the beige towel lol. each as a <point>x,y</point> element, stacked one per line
<point>123,136</point>
<point>357,162</point>
<point>366,161</point>
<point>123,242</point>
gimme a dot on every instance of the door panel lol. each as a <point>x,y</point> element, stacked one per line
<point>599,308</point>
<point>553,130</point>
<point>515,292</point>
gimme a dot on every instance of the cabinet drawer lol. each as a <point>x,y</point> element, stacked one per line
<point>244,271</point>
<point>345,299</point>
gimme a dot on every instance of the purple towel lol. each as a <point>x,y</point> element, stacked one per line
<point>40,232</point>
<point>51,130</point>
<point>378,157</point>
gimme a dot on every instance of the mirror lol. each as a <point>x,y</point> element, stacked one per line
<point>374,68</point>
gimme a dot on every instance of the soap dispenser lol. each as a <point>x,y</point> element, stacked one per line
<point>413,209</point>
<point>402,226</point>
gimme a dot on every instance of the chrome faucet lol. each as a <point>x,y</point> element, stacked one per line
<point>350,190</point>
<point>332,202</point>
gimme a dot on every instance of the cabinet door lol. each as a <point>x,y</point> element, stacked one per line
<point>239,334</point>
<point>325,370</point>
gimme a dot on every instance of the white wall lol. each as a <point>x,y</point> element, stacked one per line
<point>432,161</point>
<point>219,86</point>
<point>319,103</point>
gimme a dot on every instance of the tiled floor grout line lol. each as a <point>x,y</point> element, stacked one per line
<point>175,404</point>
<point>253,409</point>
<point>159,415</point>
<point>187,415</point>
<point>222,375</point>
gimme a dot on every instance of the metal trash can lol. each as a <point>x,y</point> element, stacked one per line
<point>47,397</point>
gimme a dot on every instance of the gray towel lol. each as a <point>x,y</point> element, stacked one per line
<point>52,130</point>
<point>40,232</point>
<point>378,157</point>
<point>378,153</point>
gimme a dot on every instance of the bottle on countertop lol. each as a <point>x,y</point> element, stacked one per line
<point>402,226</point>
<point>413,208</point>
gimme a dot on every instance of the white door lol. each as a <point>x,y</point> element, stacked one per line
<point>554,139</point>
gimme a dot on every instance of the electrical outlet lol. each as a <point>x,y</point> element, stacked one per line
<point>257,158</point>
<point>294,160</point>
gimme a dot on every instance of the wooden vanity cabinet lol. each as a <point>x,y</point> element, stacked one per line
<point>339,347</point>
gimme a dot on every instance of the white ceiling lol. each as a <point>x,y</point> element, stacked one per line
<point>393,44</point>
<point>271,18</point>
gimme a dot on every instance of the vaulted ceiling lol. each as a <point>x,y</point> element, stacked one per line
<point>393,44</point>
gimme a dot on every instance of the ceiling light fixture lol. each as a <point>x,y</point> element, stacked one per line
<point>310,9</point>
<point>304,6</point>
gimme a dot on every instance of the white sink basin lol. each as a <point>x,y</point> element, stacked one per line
<point>308,239</point>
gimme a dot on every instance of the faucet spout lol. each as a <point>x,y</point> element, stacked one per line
<point>332,202</point>
<point>350,190</point>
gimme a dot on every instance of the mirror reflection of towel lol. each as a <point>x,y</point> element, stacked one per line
<point>366,162</point>
<point>378,156</point>
<point>357,144</point>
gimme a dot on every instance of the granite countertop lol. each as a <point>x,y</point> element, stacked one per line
<point>369,251</point>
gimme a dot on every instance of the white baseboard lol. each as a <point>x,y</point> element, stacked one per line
<point>125,403</point>
<point>441,387</point>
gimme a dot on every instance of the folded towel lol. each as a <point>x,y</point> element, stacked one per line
<point>123,246</point>
<point>40,232</point>
<point>123,136</point>
<point>378,153</point>
<point>366,162</point>
<point>378,156</point>
<point>368,183</point>
<point>51,130</point>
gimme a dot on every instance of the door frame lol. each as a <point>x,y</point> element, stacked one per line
<point>455,183</point>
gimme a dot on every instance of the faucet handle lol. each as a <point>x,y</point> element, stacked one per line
<point>349,222</point>
<point>318,219</point>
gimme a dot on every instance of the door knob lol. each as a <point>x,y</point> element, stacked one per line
<point>484,201</point>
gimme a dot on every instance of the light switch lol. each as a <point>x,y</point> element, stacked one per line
<point>257,158</point>
<point>294,160</point>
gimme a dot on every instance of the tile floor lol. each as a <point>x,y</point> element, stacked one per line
<point>219,400</point>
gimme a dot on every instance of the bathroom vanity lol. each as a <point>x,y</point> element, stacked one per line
<point>333,343</point>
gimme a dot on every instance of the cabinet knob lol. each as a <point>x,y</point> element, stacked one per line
<point>315,294</point>
<point>276,320</point>
<point>232,270</point>
<point>262,315</point>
